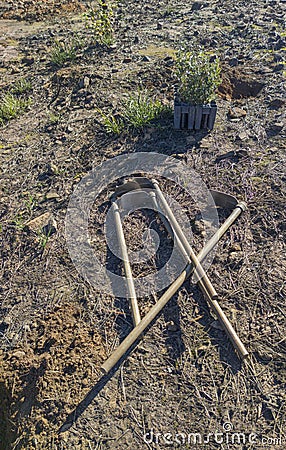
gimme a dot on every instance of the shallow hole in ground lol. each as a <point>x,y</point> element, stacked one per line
<point>236,85</point>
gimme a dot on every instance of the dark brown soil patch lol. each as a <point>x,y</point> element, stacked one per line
<point>236,85</point>
<point>39,10</point>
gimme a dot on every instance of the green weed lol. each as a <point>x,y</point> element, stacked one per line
<point>140,109</point>
<point>54,118</point>
<point>43,239</point>
<point>63,52</point>
<point>30,203</point>
<point>19,222</point>
<point>99,19</point>
<point>111,123</point>
<point>21,86</point>
<point>45,233</point>
<point>11,106</point>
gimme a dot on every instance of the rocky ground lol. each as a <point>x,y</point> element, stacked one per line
<point>56,329</point>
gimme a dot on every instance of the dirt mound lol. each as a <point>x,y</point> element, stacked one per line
<point>51,370</point>
<point>38,10</point>
<point>237,85</point>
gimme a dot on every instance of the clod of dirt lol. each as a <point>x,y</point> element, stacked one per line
<point>196,6</point>
<point>39,222</point>
<point>242,136</point>
<point>52,195</point>
<point>236,113</point>
<point>277,103</point>
<point>275,128</point>
<point>246,88</point>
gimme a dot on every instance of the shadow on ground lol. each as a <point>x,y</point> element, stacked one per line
<point>7,431</point>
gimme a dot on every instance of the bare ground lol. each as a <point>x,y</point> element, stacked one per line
<point>56,329</point>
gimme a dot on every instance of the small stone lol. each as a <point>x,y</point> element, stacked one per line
<point>277,103</point>
<point>39,222</point>
<point>234,257</point>
<point>18,354</point>
<point>180,155</point>
<point>28,61</point>
<point>199,227</point>
<point>196,6</point>
<point>236,113</point>
<point>52,195</point>
<point>242,136</point>
<point>216,325</point>
<point>84,83</point>
<point>233,62</point>
<point>51,169</point>
<point>171,326</point>
<point>279,68</point>
<point>205,143</point>
<point>235,247</point>
<point>277,127</point>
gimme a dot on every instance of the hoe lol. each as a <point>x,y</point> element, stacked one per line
<point>148,194</point>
